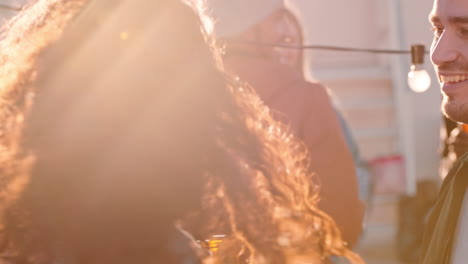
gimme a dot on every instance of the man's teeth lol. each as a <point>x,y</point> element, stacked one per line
<point>453,78</point>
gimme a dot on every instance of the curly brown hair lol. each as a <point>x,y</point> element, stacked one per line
<point>97,155</point>
<point>272,205</point>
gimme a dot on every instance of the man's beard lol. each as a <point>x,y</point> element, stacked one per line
<point>457,111</point>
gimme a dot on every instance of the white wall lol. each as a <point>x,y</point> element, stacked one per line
<point>426,107</point>
<point>334,22</point>
<point>5,14</point>
<point>371,24</point>
<point>7,8</point>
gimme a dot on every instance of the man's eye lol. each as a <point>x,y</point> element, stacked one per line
<point>464,32</point>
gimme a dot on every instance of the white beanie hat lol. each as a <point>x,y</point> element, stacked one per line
<point>227,18</point>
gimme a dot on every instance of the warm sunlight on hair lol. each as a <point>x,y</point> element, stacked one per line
<point>105,163</point>
<point>22,39</point>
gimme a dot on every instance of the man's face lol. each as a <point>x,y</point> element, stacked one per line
<point>449,54</point>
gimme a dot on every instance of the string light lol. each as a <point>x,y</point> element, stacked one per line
<point>418,78</point>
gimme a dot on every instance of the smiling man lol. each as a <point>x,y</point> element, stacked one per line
<point>446,238</point>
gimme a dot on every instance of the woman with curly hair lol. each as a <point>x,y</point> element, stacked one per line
<point>117,129</point>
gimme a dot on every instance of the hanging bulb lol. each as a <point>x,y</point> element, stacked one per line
<point>418,78</point>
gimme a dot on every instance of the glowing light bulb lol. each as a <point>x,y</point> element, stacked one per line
<point>418,79</point>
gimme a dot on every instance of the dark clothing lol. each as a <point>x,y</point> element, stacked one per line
<point>307,109</point>
<point>440,234</point>
<point>184,248</point>
<point>448,133</point>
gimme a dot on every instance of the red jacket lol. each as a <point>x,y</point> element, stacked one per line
<point>307,108</point>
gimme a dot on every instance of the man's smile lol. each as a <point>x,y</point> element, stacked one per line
<point>453,78</point>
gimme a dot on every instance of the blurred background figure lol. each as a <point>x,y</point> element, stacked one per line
<point>454,137</point>
<point>117,126</point>
<point>250,34</point>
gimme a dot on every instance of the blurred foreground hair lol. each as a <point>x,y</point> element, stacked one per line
<point>115,123</point>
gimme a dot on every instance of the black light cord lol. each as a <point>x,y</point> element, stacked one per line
<point>324,47</point>
<point>11,8</point>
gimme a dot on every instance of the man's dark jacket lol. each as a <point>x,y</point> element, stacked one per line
<point>441,228</point>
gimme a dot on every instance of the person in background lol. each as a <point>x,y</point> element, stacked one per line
<point>446,235</point>
<point>116,125</point>
<point>244,31</point>
<point>454,144</point>
<point>290,39</point>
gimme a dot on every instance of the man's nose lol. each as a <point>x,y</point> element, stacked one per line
<point>444,49</point>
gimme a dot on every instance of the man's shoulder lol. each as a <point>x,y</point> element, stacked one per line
<point>459,167</point>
